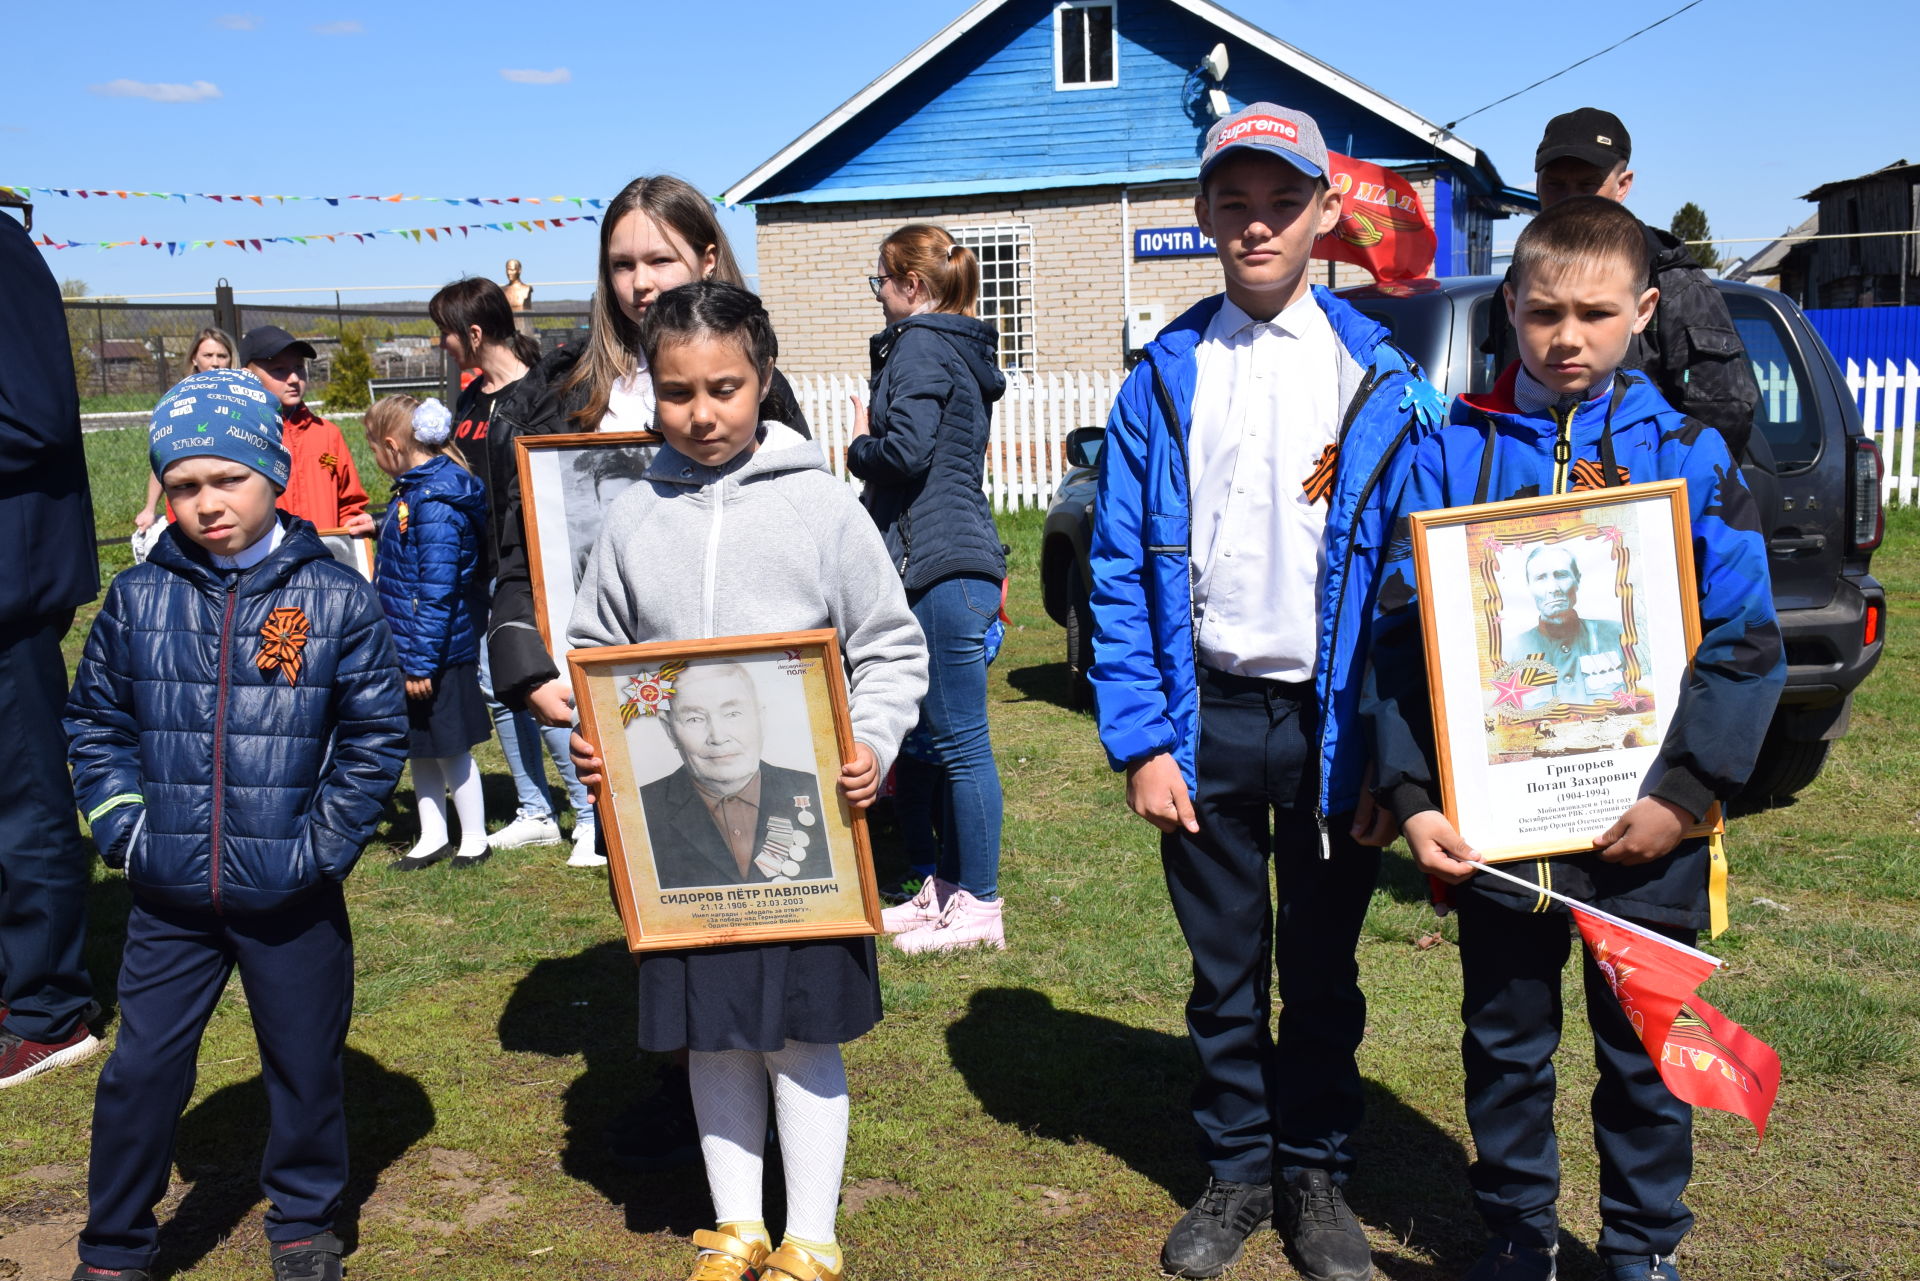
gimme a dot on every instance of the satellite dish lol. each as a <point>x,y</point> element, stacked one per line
<point>1217,103</point>
<point>1216,63</point>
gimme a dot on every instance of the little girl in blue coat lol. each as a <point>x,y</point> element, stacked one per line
<point>427,570</point>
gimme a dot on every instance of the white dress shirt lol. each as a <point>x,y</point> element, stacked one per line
<point>251,555</point>
<point>630,402</point>
<point>1266,406</point>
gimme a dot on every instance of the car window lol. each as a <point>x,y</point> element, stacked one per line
<point>1482,366</point>
<point>1418,325</point>
<point>1785,415</point>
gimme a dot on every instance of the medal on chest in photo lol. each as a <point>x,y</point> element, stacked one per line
<point>787,842</point>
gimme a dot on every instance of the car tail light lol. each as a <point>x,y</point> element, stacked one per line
<point>1876,623</point>
<point>1869,522</point>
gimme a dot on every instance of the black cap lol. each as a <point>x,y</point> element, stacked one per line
<point>267,341</point>
<point>1588,134</point>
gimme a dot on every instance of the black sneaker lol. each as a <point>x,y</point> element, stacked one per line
<point>658,1132</point>
<point>314,1258</point>
<point>1642,1267</point>
<point>1328,1242</point>
<point>1505,1261</point>
<point>1211,1237</point>
<point>87,1272</point>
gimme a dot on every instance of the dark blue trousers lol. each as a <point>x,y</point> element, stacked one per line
<point>43,864</point>
<point>296,966</point>
<point>1270,1105</point>
<point>1511,965</point>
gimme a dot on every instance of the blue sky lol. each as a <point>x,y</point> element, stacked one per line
<point>1741,107</point>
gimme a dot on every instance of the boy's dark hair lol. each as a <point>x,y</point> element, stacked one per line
<point>711,307</point>
<point>476,300</point>
<point>1579,230</point>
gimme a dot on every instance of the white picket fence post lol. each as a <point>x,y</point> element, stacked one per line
<point>1027,444</point>
<point>1888,394</point>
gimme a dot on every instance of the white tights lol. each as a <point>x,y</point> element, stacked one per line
<point>810,1101</point>
<point>433,778</point>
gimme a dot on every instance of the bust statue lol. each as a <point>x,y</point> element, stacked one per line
<point>519,292</point>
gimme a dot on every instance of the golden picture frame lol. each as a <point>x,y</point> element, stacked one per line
<point>720,805</point>
<point>1559,633</point>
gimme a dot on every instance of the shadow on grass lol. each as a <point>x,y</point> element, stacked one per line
<point>1074,1078</point>
<point>585,1005</point>
<point>221,1142</point>
<point>1044,683</point>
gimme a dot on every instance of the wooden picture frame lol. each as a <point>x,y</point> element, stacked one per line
<point>805,870</point>
<point>1550,698</point>
<point>561,520</point>
<point>355,551</point>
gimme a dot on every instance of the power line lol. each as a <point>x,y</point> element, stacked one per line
<point>1563,71</point>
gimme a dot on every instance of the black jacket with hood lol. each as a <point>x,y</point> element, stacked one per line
<point>934,383</point>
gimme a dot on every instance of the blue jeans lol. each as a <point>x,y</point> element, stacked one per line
<point>954,613</point>
<point>520,738</point>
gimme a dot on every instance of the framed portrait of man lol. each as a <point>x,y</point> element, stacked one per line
<point>355,551</point>
<point>1559,631</point>
<point>566,485</point>
<point>722,813</point>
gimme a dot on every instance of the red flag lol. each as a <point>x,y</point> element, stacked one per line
<point>1383,226</point>
<point>1704,1057</point>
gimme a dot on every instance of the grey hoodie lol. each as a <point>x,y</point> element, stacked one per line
<point>769,542</point>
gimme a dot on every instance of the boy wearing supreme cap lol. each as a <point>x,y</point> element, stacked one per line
<point>235,727</point>
<point>1248,465</point>
<point>321,485</point>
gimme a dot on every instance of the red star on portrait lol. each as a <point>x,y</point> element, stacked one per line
<point>1511,688</point>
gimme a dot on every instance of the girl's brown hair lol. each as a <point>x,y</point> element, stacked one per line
<point>392,416</point>
<point>219,336</point>
<point>950,271</point>
<point>677,207</point>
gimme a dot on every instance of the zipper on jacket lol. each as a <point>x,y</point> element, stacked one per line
<point>220,740</point>
<point>1563,449</point>
<point>712,570</point>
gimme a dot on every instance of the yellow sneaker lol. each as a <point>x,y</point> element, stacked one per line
<point>791,1263</point>
<point>727,1258</point>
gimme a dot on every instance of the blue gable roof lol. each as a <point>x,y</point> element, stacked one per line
<point>980,112</point>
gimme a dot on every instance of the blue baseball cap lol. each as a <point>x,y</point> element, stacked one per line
<point>221,413</point>
<point>1292,135</point>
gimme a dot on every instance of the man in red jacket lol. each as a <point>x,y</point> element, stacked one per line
<point>323,487</point>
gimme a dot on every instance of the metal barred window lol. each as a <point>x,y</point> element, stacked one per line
<point>1005,252</point>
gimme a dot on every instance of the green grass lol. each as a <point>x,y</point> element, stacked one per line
<point>1024,1114</point>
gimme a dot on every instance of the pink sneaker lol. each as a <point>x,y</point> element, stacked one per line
<point>967,922</point>
<point>922,910</point>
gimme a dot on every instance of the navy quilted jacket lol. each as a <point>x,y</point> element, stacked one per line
<point>432,540</point>
<point>235,734</point>
<point>934,384</point>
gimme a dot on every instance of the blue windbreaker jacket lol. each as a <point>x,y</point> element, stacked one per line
<point>234,735</point>
<point>1491,452</point>
<point>432,542</point>
<point>1144,677</point>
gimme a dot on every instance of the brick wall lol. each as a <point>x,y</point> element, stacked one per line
<point>814,260</point>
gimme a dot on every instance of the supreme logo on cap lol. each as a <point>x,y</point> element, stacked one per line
<point>1261,128</point>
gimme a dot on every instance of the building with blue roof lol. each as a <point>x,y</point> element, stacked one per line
<point>1060,139</point>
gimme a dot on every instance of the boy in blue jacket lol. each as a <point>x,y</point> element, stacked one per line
<point>1244,482</point>
<point>1566,418</point>
<point>236,725</point>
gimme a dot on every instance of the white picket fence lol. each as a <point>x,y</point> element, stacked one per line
<point>1027,448</point>
<point>1889,399</point>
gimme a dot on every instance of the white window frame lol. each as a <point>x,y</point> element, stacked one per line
<point>1059,45</point>
<point>1018,349</point>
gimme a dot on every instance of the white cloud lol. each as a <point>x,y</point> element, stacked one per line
<point>237,22</point>
<point>349,27</point>
<point>198,91</point>
<point>558,76</point>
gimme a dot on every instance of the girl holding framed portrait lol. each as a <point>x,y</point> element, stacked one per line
<point>741,530</point>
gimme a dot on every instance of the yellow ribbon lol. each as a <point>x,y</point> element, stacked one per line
<point>1716,885</point>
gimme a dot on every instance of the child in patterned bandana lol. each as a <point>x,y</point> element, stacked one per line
<point>738,528</point>
<point>432,545</point>
<point>236,725</point>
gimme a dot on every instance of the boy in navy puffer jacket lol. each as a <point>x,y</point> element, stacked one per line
<point>432,541</point>
<point>1568,418</point>
<point>236,724</point>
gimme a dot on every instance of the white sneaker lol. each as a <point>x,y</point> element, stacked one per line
<point>967,922</point>
<point>584,854</point>
<point>923,909</point>
<point>526,829</point>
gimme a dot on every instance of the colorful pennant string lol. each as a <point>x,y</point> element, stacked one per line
<point>258,243</point>
<point>91,193</point>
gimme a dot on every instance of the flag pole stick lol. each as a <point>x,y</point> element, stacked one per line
<point>1488,869</point>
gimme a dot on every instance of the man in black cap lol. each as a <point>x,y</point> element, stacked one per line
<point>323,487</point>
<point>1691,351</point>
